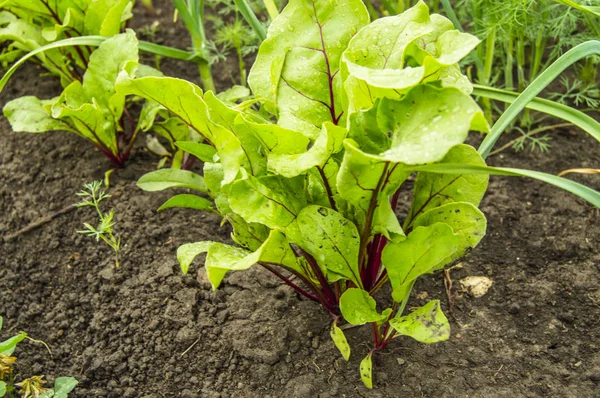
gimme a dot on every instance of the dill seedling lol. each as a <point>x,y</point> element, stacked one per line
<point>92,195</point>
<point>579,93</point>
<point>242,39</point>
<point>528,140</point>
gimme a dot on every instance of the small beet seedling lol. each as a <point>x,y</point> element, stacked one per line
<point>310,181</point>
<point>92,195</point>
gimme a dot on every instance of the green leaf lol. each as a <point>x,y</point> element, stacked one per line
<point>186,253</point>
<point>63,386</point>
<point>393,54</point>
<point>222,258</point>
<point>561,111</point>
<point>24,35</point>
<point>203,152</point>
<point>173,129</point>
<point>95,41</point>
<point>248,235</point>
<point>316,188</point>
<point>366,371</point>
<point>188,102</point>
<point>28,114</point>
<point>582,50</point>
<point>171,178</point>
<point>296,67</point>
<point>234,94</point>
<point>594,10</point>
<point>386,222</point>
<point>424,250</point>
<point>2,388</point>
<point>339,339</point>
<point>189,202</point>
<point>575,188</point>
<point>213,176</point>
<point>427,122</point>
<point>328,142</point>
<point>362,176</point>
<point>275,250</point>
<point>332,240</point>
<point>273,201</point>
<point>104,17</point>
<point>244,8</point>
<point>466,220</point>
<point>278,140</point>
<point>93,107</point>
<point>8,346</point>
<point>427,324</point>
<point>433,190</point>
<point>358,307</point>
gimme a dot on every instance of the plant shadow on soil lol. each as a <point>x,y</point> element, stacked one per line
<point>145,330</point>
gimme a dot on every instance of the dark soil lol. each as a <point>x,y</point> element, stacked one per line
<point>145,330</point>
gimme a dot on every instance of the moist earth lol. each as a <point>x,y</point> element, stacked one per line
<point>146,330</point>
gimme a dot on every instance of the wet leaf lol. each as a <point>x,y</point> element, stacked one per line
<point>332,240</point>
<point>339,339</point>
<point>465,219</point>
<point>366,371</point>
<point>296,67</point>
<point>427,324</point>
<point>433,190</point>
<point>358,307</point>
<point>424,250</point>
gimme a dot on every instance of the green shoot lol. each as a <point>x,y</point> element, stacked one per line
<point>92,195</point>
<point>149,6</point>
<point>240,38</point>
<point>192,15</point>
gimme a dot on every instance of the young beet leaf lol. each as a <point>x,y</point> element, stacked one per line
<point>30,24</point>
<point>311,197</point>
<point>90,108</point>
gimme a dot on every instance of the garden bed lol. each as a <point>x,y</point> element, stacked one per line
<point>145,330</point>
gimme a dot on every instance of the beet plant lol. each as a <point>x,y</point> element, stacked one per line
<point>90,108</point>
<point>310,181</point>
<point>62,36</point>
<point>27,25</point>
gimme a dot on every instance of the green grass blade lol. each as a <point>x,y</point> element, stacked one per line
<point>595,10</point>
<point>96,41</point>
<point>251,18</point>
<point>188,19</point>
<point>560,111</point>
<point>541,82</point>
<point>449,11</point>
<point>575,188</point>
